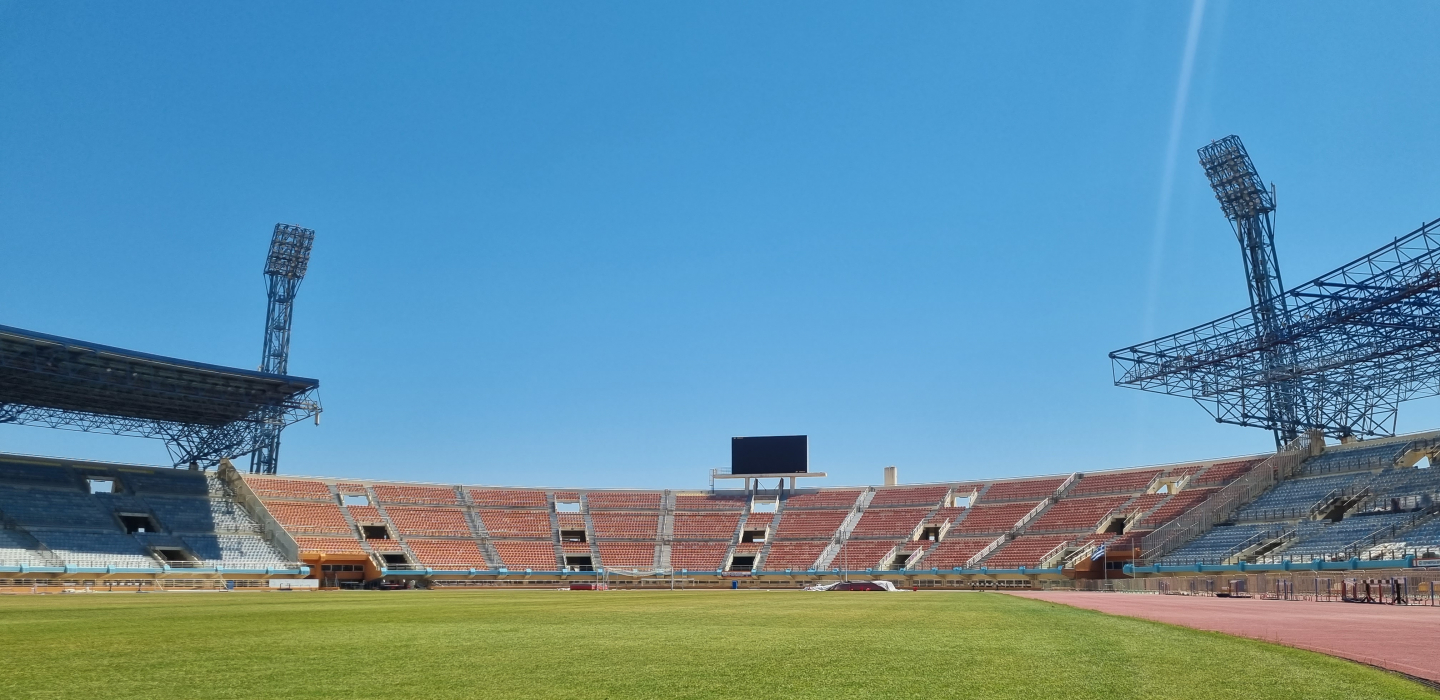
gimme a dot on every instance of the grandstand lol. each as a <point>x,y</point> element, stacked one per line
<point>62,518</point>
<point>1358,504</point>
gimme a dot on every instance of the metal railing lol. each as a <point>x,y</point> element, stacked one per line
<point>1418,588</point>
<point>1363,459</point>
<point>1048,559</point>
<point>1335,496</point>
<point>1234,550</point>
<point>1020,525</point>
<point>1223,503</point>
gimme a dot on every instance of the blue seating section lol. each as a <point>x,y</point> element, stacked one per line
<point>15,550</point>
<point>1397,483</point>
<point>1325,540</point>
<point>173,482</point>
<point>36,474</point>
<point>201,515</point>
<point>194,511</point>
<point>36,507</point>
<point>1290,499</point>
<point>233,550</point>
<point>78,548</point>
<point>1426,535</point>
<point>1215,545</point>
<point>1354,459</point>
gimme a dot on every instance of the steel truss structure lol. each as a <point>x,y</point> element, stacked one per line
<point>203,412</point>
<point>1337,354</point>
<point>284,271</point>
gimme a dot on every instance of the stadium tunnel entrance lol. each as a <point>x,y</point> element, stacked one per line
<point>341,570</point>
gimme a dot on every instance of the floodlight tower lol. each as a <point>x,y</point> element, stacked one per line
<point>1250,208</point>
<point>284,270</point>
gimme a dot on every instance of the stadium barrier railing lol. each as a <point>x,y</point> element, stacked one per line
<point>1391,585</point>
<point>1223,503</point>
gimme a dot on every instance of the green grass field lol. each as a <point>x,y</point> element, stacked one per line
<point>631,644</point>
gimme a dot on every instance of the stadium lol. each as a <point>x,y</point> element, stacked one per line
<point>1309,570</point>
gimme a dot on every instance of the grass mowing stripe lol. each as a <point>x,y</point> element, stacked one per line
<point>636,644</point>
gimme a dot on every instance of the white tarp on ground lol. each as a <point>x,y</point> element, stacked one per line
<point>828,586</point>
<point>294,583</point>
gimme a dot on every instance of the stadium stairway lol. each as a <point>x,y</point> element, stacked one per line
<point>355,530</point>
<point>842,534</point>
<point>735,539</point>
<point>914,560</point>
<point>948,527</point>
<point>1019,527</point>
<point>665,534</point>
<point>395,533</point>
<point>482,536</point>
<point>595,560</point>
<point>764,554</point>
<point>555,540</point>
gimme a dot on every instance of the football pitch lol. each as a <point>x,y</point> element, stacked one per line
<point>634,644</point>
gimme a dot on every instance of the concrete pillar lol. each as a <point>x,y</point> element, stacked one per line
<point>892,476</point>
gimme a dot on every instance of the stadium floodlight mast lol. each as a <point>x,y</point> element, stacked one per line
<point>284,271</point>
<point>1250,209</point>
<point>1337,354</point>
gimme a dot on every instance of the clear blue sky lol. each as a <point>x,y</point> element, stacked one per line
<point>580,244</point>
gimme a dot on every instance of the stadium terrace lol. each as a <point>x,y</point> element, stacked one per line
<point>1356,507</point>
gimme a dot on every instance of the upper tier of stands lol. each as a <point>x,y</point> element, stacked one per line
<point>436,495</point>
<point>709,502</point>
<point>1022,490</point>
<point>1225,473</point>
<point>1123,482</point>
<point>837,499</point>
<point>1358,458</point>
<point>508,498</point>
<point>928,496</point>
<point>615,500</point>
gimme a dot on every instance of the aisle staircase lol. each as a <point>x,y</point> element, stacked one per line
<point>414,562</point>
<point>1024,522</point>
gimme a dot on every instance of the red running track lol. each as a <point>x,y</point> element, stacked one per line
<point>1404,639</point>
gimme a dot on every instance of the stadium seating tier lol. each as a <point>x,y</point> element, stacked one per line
<point>1022,489</point>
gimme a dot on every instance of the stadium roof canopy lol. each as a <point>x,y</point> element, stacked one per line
<point>65,383</point>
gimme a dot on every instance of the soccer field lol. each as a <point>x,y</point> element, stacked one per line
<point>631,644</point>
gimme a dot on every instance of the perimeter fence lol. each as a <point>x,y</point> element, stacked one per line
<point>1407,587</point>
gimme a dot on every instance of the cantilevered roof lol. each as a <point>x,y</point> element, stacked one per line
<point>63,374</point>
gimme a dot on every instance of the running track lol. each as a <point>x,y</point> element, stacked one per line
<point>1398,638</point>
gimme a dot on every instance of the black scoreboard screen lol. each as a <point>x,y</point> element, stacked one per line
<point>775,454</point>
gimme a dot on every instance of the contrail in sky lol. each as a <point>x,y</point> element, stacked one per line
<point>1167,176</point>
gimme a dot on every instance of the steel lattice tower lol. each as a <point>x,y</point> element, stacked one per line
<point>1250,208</point>
<point>284,270</point>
